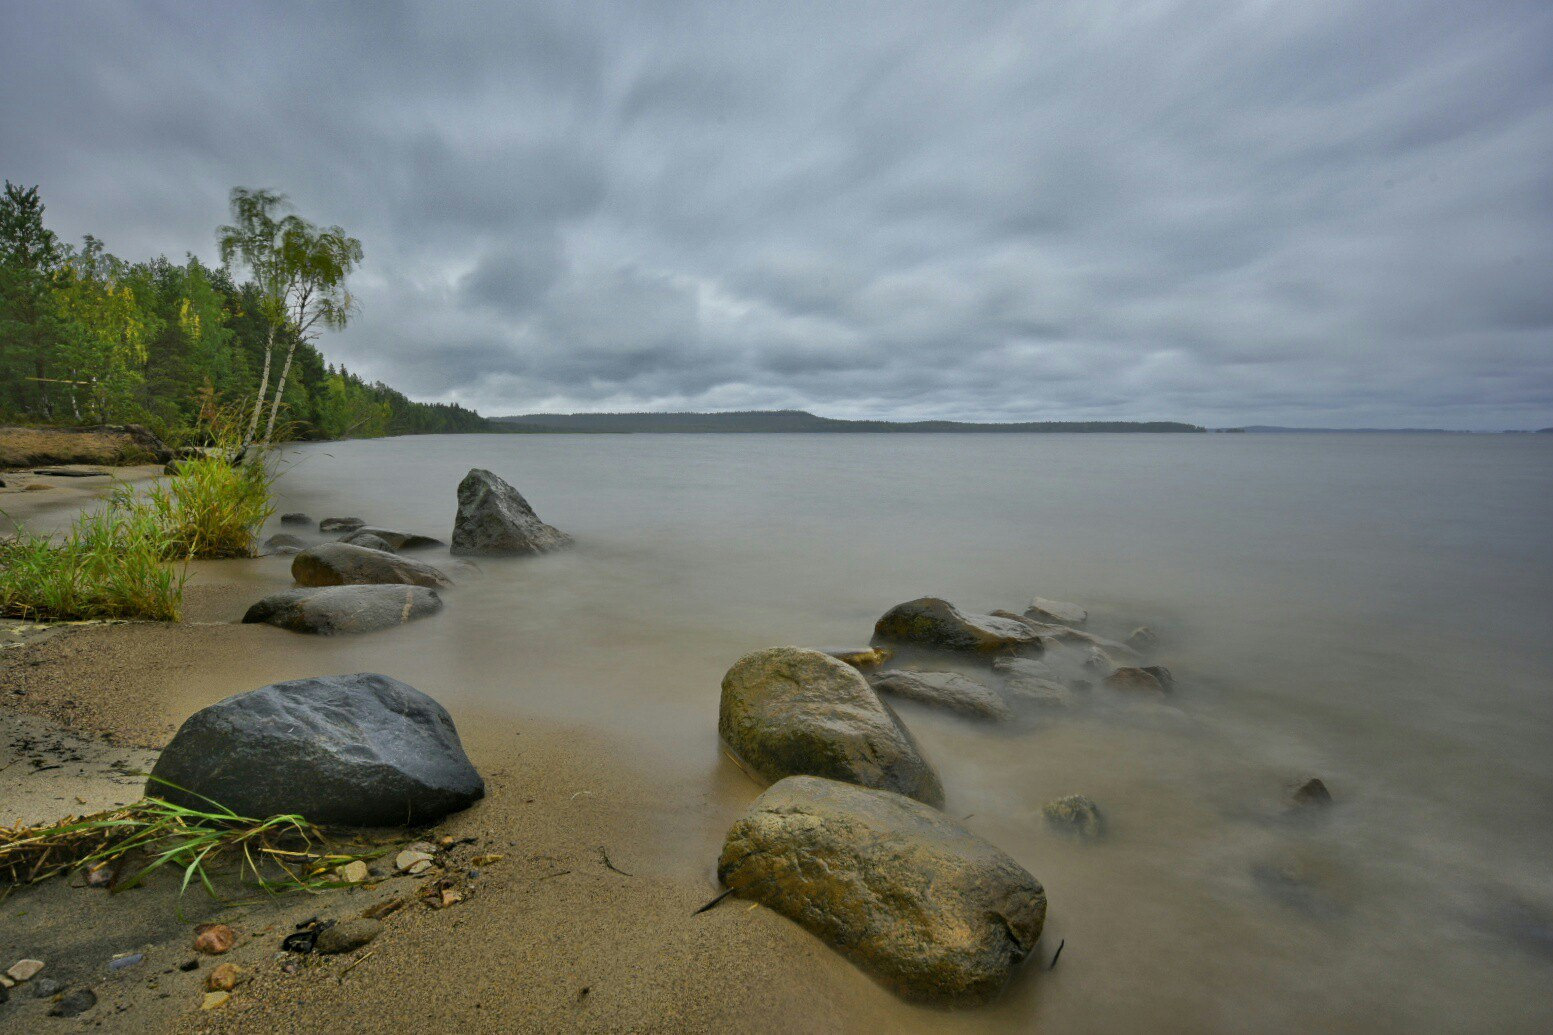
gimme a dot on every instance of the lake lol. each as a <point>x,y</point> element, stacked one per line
<point>1376,610</point>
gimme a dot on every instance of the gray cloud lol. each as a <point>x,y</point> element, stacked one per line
<point>1318,213</point>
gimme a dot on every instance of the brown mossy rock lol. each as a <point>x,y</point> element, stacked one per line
<point>1135,681</point>
<point>909,895</point>
<point>494,519</point>
<point>860,657</point>
<point>791,711</point>
<point>341,564</point>
<point>935,623</point>
<point>947,690</point>
<point>333,610</point>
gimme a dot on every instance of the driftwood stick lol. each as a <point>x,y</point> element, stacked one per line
<point>712,903</point>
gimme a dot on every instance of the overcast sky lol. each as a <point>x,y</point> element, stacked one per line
<point>1309,212</point>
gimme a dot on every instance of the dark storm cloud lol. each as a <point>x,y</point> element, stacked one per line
<point>1323,212</point>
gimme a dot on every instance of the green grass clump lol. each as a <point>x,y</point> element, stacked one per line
<point>213,508</point>
<point>111,564</point>
<point>278,854</point>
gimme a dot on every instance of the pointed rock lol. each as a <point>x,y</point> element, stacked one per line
<point>494,519</point>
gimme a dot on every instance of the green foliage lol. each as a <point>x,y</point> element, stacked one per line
<point>87,337</point>
<point>213,508</point>
<point>111,564</point>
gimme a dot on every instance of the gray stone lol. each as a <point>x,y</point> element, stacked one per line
<point>340,524</point>
<point>361,750</point>
<point>1075,815</point>
<point>46,988</point>
<point>1135,681</point>
<point>341,564</point>
<point>1162,674</point>
<point>947,690</point>
<point>788,710</point>
<point>1143,639</point>
<point>369,540</point>
<point>399,540</point>
<point>906,893</point>
<point>347,935</point>
<point>331,610</point>
<point>1056,612</point>
<point>1312,793</point>
<point>281,544</point>
<point>296,517</point>
<point>493,519</point>
<point>935,623</point>
<point>1033,681</point>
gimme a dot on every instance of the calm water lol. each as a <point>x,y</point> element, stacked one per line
<point>1376,610</point>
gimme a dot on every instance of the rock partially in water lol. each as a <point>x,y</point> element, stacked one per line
<point>1162,674</point>
<point>369,540</point>
<point>400,540</point>
<point>903,891</point>
<point>347,935</point>
<point>340,524</point>
<point>788,711</point>
<point>1312,794</point>
<point>1034,681</point>
<point>932,622</point>
<point>341,564</point>
<point>359,750</point>
<point>296,517</point>
<point>332,610</point>
<point>860,657</point>
<point>1135,681</point>
<point>1143,639</point>
<point>1056,612</point>
<point>948,690</point>
<point>282,544</point>
<point>1075,815</point>
<point>494,519</point>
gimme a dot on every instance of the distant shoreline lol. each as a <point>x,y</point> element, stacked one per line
<point>801,422</point>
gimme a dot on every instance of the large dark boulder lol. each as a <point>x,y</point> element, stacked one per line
<point>938,624</point>
<point>948,690</point>
<point>329,610</point>
<point>493,519</point>
<point>789,711</point>
<point>905,892</point>
<point>341,564</point>
<point>360,750</point>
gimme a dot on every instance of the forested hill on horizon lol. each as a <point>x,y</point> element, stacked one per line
<point>795,421</point>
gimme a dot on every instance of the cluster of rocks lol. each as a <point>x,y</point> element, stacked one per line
<point>849,840</point>
<point>360,583</point>
<point>64,1001</point>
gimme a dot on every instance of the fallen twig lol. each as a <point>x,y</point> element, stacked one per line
<point>358,961</point>
<point>604,854</point>
<point>712,903</point>
<point>1053,964</point>
<point>734,759</point>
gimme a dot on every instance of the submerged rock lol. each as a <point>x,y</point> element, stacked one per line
<point>361,537</point>
<point>296,517</point>
<point>931,622</point>
<point>361,750</point>
<point>1143,639</point>
<point>1162,674</point>
<point>903,891</point>
<point>1135,680</point>
<point>493,519</point>
<point>789,711</point>
<point>1055,611</point>
<point>340,524</point>
<point>1034,681</point>
<point>331,610</point>
<point>341,564</point>
<point>948,690</point>
<point>1312,793</point>
<point>1075,815</point>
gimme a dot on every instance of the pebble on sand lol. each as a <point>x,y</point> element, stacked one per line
<point>214,939</point>
<point>223,979</point>
<point>24,970</point>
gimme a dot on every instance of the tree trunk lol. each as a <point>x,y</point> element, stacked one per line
<point>264,387</point>
<point>280,389</point>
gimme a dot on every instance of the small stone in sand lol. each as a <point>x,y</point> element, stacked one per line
<point>353,872</point>
<point>412,860</point>
<point>215,1000</point>
<point>222,979</point>
<point>44,988</point>
<point>24,970</point>
<point>74,1004</point>
<point>213,939</point>
<point>347,935</point>
<point>125,962</point>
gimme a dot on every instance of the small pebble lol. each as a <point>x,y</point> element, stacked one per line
<point>215,1000</point>
<point>125,962</point>
<point>214,939</point>
<point>24,970</point>
<point>407,860</point>
<point>44,987</point>
<point>222,979</point>
<point>353,872</point>
<point>75,1003</point>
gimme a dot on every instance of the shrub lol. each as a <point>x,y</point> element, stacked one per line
<point>212,508</point>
